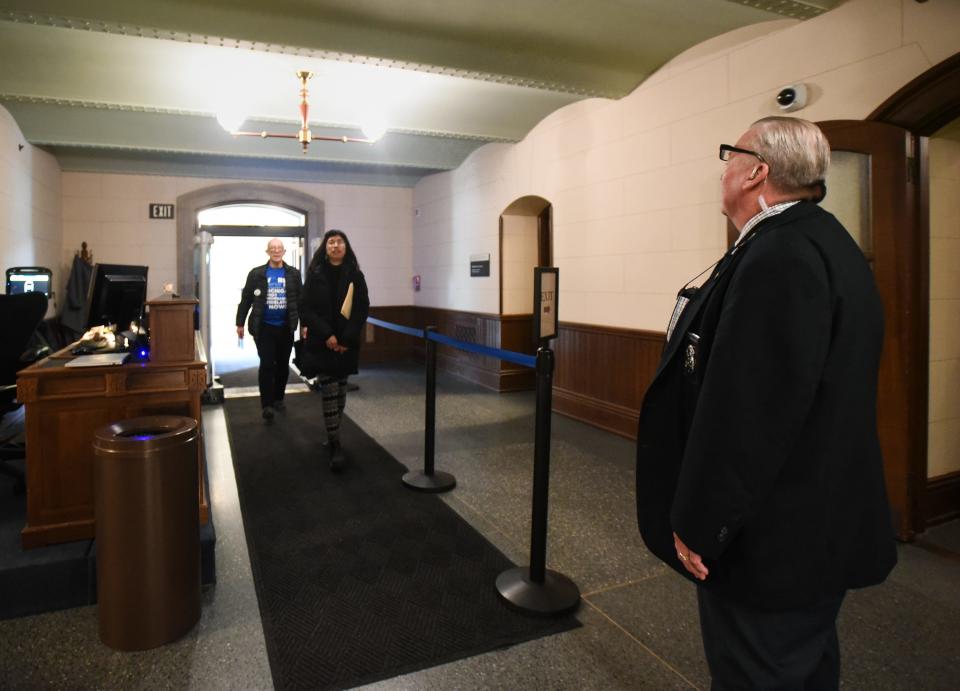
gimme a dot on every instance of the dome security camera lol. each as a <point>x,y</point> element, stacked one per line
<point>792,97</point>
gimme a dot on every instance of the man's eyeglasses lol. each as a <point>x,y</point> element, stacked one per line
<point>726,150</point>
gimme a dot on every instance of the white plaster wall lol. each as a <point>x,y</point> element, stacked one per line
<point>640,176</point>
<point>30,231</point>
<point>456,214</point>
<point>519,249</point>
<point>109,212</point>
<point>944,398</point>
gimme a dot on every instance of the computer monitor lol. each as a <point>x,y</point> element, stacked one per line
<point>116,296</point>
<point>28,279</point>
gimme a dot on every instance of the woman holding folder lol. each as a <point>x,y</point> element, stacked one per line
<point>333,311</point>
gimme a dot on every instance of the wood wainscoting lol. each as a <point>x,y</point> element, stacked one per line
<point>508,332</point>
<point>601,372</point>
<point>383,346</point>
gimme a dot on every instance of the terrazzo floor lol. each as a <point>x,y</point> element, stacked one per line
<point>640,621</point>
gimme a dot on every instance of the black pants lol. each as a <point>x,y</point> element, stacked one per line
<point>274,344</point>
<point>791,650</point>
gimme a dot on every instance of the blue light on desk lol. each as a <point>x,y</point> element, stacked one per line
<point>140,353</point>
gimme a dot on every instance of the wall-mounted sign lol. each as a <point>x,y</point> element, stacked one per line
<point>479,265</point>
<point>546,294</point>
<point>164,211</point>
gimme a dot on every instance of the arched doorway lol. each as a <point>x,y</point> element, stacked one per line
<point>889,153</point>
<point>193,249</point>
<point>928,105</point>
<point>888,156</point>
<point>240,233</point>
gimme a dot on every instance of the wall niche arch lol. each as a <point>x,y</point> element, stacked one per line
<point>526,241</point>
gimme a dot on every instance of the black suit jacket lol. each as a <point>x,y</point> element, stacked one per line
<point>757,439</point>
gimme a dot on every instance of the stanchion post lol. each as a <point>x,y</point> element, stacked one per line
<point>538,590</point>
<point>429,480</point>
<point>430,412</point>
<point>541,465</point>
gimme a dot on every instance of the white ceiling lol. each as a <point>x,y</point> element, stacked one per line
<point>134,86</point>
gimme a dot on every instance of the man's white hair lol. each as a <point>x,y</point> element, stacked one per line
<point>796,151</point>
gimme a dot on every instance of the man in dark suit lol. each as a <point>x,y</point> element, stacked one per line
<point>759,474</point>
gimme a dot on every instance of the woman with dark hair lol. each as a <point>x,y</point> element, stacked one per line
<point>332,313</point>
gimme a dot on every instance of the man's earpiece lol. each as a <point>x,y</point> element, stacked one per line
<point>754,173</point>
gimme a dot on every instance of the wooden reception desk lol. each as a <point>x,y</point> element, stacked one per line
<point>64,408</point>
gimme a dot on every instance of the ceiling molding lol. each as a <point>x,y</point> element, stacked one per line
<point>795,9</point>
<point>126,107</point>
<point>178,164</point>
<point>59,126</point>
<point>600,48</point>
<point>80,24</point>
<point>133,85</point>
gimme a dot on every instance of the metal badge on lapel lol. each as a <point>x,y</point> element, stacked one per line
<point>690,353</point>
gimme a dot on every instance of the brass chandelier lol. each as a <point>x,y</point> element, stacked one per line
<point>304,135</point>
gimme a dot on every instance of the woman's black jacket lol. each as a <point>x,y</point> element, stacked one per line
<point>317,312</point>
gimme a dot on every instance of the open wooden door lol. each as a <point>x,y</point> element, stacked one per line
<point>873,188</point>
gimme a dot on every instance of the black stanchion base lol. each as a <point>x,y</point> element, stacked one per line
<point>556,595</point>
<point>434,483</point>
<point>213,395</point>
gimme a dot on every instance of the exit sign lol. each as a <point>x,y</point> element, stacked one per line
<point>164,211</point>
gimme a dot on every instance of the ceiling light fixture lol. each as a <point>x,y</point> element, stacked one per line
<point>304,135</point>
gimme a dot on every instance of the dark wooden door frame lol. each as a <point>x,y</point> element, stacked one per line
<point>899,259</point>
<point>545,236</point>
<point>922,107</point>
<point>927,103</point>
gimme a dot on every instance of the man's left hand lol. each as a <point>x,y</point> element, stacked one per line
<point>691,561</point>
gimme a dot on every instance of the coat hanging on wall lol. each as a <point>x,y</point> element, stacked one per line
<point>74,313</point>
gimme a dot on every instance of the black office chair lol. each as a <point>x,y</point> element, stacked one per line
<point>20,315</point>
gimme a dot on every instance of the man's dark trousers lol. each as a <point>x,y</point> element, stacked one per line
<point>750,649</point>
<point>274,344</point>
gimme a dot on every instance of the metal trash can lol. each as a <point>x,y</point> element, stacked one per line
<point>146,500</point>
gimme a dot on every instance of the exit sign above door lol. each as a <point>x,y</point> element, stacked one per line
<point>164,211</point>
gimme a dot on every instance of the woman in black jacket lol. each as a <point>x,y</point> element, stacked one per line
<point>332,314</point>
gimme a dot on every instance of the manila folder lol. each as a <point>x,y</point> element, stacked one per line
<point>347,308</point>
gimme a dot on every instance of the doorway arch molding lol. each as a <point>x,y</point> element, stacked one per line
<point>237,193</point>
<point>927,103</point>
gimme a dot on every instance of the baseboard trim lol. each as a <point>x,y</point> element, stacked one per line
<point>942,500</point>
<point>611,417</point>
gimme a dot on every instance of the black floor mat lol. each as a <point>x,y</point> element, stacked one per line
<point>359,578</point>
<point>248,377</point>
